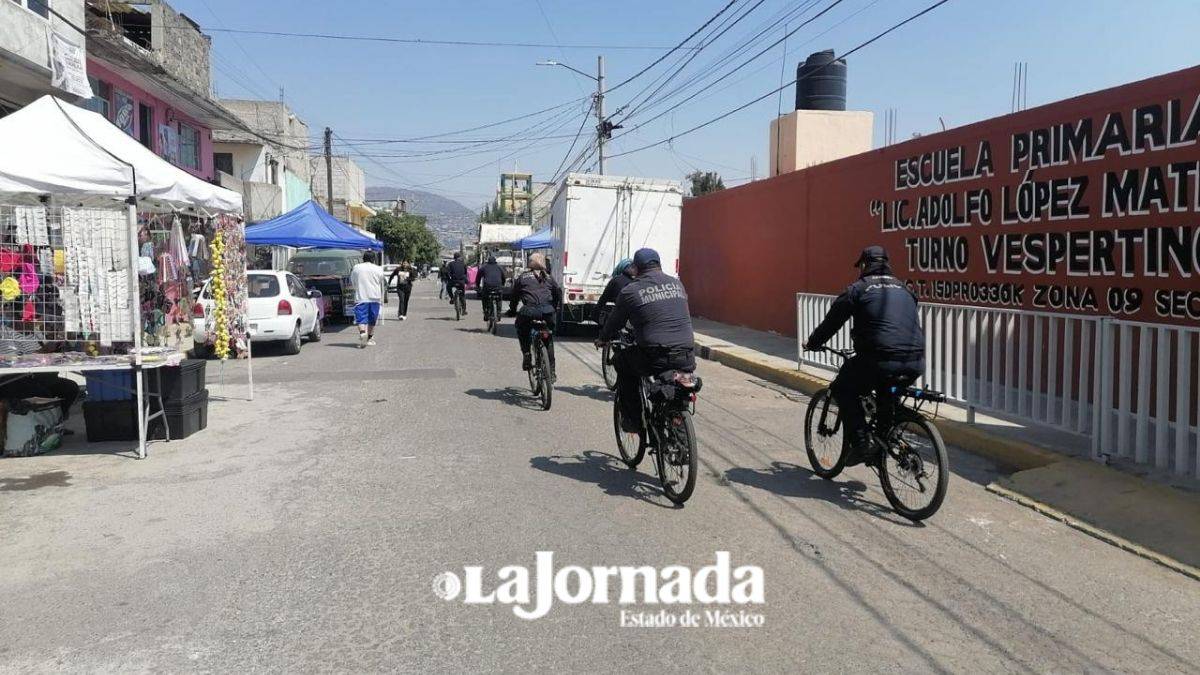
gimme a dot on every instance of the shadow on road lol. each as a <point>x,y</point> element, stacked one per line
<point>790,480</point>
<point>607,472</point>
<point>344,345</point>
<point>36,481</point>
<point>510,395</point>
<point>592,391</point>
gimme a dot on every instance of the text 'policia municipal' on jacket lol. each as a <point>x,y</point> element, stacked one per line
<point>656,305</point>
<point>535,293</point>
<point>885,316</point>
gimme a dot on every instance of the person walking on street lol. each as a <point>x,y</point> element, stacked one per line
<point>370,286</point>
<point>403,276</point>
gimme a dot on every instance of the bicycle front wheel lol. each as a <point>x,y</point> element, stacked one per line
<point>545,377</point>
<point>677,461</point>
<point>632,446</point>
<point>915,469</point>
<point>608,369</point>
<point>823,435</point>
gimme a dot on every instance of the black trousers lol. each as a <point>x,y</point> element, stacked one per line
<point>863,374</point>
<point>635,363</point>
<point>484,293</point>
<point>403,293</point>
<point>524,323</point>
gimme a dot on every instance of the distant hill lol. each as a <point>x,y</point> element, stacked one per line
<point>448,219</point>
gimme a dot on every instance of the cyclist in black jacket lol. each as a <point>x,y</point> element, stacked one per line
<point>888,342</point>
<point>623,275</point>
<point>456,277</point>
<point>489,279</point>
<point>656,305</point>
<point>540,297</point>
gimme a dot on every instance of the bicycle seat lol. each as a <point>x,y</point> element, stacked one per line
<point>896,383</point>
<point>679,378</point>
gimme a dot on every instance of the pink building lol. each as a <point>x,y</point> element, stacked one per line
<point>149,68</point>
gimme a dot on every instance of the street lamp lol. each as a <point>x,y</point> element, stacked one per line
<point>598,78</point>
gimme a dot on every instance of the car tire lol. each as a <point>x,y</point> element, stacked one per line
<point>292,346</point>
<point>315,335</point>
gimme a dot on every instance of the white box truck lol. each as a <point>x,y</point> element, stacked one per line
<point>596,221</point>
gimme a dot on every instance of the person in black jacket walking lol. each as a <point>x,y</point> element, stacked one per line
<point>656,304</point>
<point>540,297</point>
<point>490,281</point>
<point>889,344</point>
<point>403,276</point>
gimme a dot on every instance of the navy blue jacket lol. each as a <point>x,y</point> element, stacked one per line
<point>490,275</point>
<point>656,305</point>
<point>886,322</point>
<point>456,271</point>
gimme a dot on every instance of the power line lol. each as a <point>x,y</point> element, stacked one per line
<point>747,62</point>
<point>429,42</point>
<point>239,45</point>
<point>674,49</point>
<point>784,86</point>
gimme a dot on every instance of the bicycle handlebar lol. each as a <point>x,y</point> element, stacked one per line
<point>844,353</point>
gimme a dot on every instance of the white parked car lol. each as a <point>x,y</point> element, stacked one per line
<point>279,309</point>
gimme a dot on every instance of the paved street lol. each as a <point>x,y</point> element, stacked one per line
<point>303,531</point>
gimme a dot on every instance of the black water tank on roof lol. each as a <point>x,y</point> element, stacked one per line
<point>821,82</point>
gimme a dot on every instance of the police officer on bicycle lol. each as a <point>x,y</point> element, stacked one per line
<point>540,297</point>
<point>456,277</point>
<point>889,344</point>
<point>656,304</point>
<point>623,275</point>
<point>490,281</point>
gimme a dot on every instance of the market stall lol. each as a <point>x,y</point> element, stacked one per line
<point>100,242</point>
<point>309,226</point>
<point>537,240</point>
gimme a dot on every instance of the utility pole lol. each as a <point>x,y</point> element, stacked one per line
<point>601,131</point>
<point>329,169</point>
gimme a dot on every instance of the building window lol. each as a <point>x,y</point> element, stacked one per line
<point>223,161</point>
<point>102,101</point>
<point>189,146</point>
<point>39,7</point>
<point>146,125</point>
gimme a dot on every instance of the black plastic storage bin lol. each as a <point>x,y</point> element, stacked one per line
<point>179,383</point>
<point>186,417</point>
<point>110,420</point>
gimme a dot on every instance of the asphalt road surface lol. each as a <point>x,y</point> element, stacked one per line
<point>304,531</point>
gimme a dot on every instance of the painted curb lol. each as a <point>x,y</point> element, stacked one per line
<point>1094,531</point>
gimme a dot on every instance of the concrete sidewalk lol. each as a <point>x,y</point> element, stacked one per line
<point>1051,469</point>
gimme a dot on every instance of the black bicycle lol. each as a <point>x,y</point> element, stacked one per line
<point>912,464</point>
<point>491,311</point>
<point>541,376</point>
<point>608,357</point>
<point>668,401</point>
<point>459,300</point>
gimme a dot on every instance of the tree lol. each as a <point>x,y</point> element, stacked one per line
<point>494,213</point>
<point>704,182</point>
<point>405,237</point>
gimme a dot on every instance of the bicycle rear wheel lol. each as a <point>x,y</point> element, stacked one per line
<point>632,446</point>
<point>823,435</point>
<point>545,385</point>
<point>457,306</point>
<point>608,368</point>
<point>493,317</point>
<point>677,461</point>
<point>535,379</point>
<point>915,469</point>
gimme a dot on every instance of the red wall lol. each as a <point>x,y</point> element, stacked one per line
<point>746,251</point>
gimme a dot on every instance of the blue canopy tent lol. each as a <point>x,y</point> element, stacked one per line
<point>539,239</point>
<point>309,226</point>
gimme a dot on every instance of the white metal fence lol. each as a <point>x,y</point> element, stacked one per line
<point>1058,370</point>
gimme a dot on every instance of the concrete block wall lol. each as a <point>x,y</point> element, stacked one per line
<point>180,48</point>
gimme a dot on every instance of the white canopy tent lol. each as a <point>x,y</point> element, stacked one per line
<point>53,148</point>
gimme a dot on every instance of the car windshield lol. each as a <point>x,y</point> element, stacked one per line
<point>320,265</point>
<point>263,286</point>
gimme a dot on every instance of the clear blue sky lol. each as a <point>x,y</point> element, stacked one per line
<point>955,62</point>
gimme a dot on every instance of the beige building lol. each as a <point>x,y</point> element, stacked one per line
<point>349,190</point>
<point>803,138</point>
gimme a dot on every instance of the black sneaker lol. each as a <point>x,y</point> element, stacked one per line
<point>856,448</point>
<point>526,362</point>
